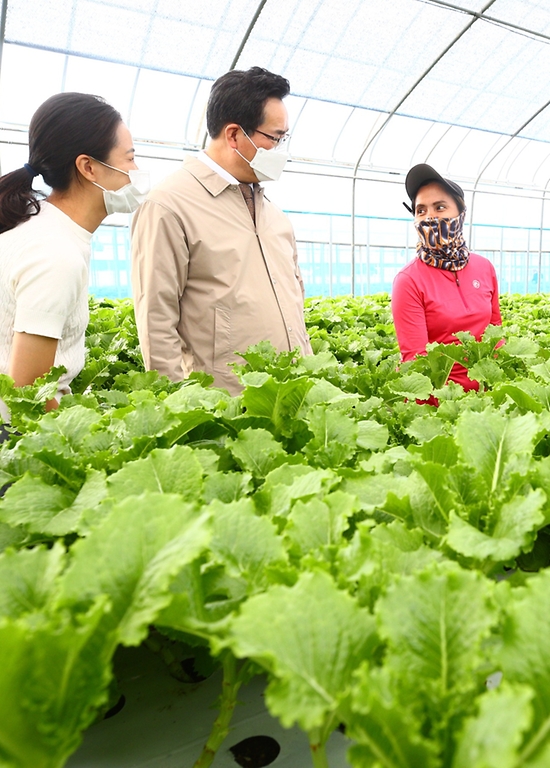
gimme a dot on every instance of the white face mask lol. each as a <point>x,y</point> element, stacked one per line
<point>267,164</point>
<point>130,196</point>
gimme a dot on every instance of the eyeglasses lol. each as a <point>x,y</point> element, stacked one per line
<point>277,140</point>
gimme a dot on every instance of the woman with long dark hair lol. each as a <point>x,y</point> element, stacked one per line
<point>82,149</point>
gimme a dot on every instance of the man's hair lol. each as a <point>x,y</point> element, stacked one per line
<point>239,97</point>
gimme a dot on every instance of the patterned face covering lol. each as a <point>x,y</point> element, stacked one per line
<point>441,243</point>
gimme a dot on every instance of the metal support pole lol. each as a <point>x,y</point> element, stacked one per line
<point>541,233</point>
<point>240,49</point>
<point>373,138</point>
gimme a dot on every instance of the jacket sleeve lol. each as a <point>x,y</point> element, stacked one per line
<point>160,260</point>
<point>307,350</point>
<point>297,271</point>
<point>409,318</point>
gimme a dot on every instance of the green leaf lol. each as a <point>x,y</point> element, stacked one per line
<point>514,530</point>
<point>310,637</point>
<point>375,556</point>
<point>12,536</point>
<point>74,424</point>
<point>492,739</point>
<point>87,502</point>
<point>227,486</point>
<point>439,450</point>
<point>245,543</point>
<point>284,485</point>
<point>280,401</point>
<point>486,371</point>
<point>371,435</point>
<point>35,504</point>
<point>519,395</point>
<point>437,624</point>
<point>490,441</point>
<point>192,396</point>
<point>425,428</point>
<point>149,419</point>
<point>53,677</point>
<point>443,499</point>
<point>412,386</point>
<point>132,556</point>
<point>315,523</point>
<point>257,451</point>
<point>524,656</point>
<point>324,391</point>
<point>335,437</point>
<point>521,347</point>
<point>173,470</point>
<point>27,579</point>
<point>372,490</point>
<point>385,733</point>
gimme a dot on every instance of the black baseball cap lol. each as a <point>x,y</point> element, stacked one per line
<point>422,174</point>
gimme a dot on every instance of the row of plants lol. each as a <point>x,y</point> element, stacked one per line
<point>379,559</point>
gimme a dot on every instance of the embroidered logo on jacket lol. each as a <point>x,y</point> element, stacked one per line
<point>476,283</point>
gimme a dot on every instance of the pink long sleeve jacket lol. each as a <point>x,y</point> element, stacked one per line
<point>430,304</point>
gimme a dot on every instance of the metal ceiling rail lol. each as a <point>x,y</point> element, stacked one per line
<point>492,19</point>
<point>3,15</point>
<point>544,198</point>
<point>438,58</point>
<point>240,49</point>
<point>495,155</point>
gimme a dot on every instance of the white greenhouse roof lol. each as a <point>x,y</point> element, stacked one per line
<point>377,85</point>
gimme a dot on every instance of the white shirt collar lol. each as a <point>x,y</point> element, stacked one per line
<point>207,160</point>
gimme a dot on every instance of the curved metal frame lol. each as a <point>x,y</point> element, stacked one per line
<point>3,15</point>
<point>493,158</point>
<point>240,49</point>
<point>389,117</point>
<point>544,198</point>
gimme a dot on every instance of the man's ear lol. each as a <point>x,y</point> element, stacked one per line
<point>230,131</point>
<point>85,166</point>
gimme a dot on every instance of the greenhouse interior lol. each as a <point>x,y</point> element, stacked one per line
<point>343,561</point>
<point>365,106</point>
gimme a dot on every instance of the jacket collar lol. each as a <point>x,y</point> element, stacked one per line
<point>209,179</point>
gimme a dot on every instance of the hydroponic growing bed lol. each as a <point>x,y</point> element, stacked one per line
<point>165,722</point>
<point>323,535</point>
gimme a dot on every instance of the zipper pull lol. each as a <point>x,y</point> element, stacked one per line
<point>457,280</point>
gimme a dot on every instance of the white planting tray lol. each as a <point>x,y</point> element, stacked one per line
<point>164,723</point>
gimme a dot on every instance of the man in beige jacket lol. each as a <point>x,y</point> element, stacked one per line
<point>214,273</point>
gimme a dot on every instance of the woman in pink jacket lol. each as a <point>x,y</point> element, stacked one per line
<point>446,288</point>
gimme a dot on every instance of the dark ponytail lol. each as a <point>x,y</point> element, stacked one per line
<point>65,126</point>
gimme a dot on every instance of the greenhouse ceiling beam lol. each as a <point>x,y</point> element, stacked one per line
<point>491,19</point>
<point>3,14</point>
<point>247,34</point>
<point>373,138</point>
<point>496,154</point>
<point>541,232</point>
<point>240,49</point>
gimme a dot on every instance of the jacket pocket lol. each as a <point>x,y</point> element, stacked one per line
<point>222,340</point>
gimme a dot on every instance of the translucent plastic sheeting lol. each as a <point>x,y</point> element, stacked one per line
<point>186,38</point>
<point>360,53</point>
<point>27,78</point>
<point>531,14</point>
<point>348,64</point>
<point>539,127</point>
<point>488,80</point>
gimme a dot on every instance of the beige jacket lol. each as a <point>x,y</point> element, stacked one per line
<point>207,283</point>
